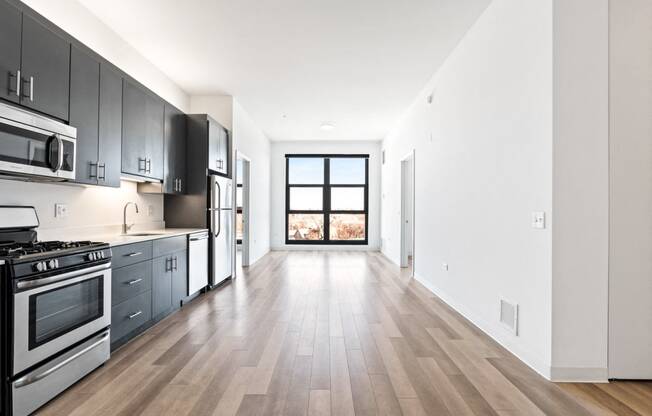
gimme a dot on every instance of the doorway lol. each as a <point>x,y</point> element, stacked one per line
<point>242,212</point>
<point>407,212</point>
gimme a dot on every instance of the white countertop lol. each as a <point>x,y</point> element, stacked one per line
<point>118,239</point>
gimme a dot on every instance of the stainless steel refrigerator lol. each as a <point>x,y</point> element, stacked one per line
<point>221,229</point>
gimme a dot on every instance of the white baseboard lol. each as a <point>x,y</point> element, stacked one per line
<point>496,332</point>
<point>292,247</point>
<point>579,375</point>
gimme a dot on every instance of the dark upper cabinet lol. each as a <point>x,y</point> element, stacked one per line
<point>45,70</point>
<point>174,164</point>
<point>84,113</point>
<point>218,148</point>
<point>10,32</point>
<point>155,136</point>
<point>110,127</point>
<point>142,132</point>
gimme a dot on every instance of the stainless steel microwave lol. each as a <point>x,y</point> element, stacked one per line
<point>32,145</point>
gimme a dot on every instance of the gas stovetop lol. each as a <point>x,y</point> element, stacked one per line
<point>19,250</point>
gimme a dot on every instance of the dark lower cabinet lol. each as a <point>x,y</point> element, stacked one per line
<point>84,113</point>
<point>45,70</point>
<point>149,282</point>
<point>110,128</point>
<point>161,286</point>
<point>180,278</point>
<point>10,30</point>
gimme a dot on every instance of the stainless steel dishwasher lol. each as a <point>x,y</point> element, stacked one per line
<point>197,262</point>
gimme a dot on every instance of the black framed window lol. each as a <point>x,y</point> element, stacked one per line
<point>326,199</point>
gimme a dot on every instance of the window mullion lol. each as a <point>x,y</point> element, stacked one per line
<point>327,200</point>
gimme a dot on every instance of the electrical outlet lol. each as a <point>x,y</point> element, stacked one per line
<point>444,267</point>
<point>60,211</point>
<point>539,220</point>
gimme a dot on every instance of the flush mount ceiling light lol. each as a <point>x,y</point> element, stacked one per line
<point>327,126</point>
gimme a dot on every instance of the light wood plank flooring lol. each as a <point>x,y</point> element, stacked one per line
<point>328,333</point>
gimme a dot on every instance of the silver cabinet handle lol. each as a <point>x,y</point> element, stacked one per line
<point>135,314</point>
<point>137,253</point>
<point>30,379</point>
<point>102,166</point>
<point>133,282</point>
<point>175,263</point>
<point>31,88</point>
<point>18,82</point>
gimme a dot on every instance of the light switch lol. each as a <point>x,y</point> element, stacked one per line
<point>539,220</point>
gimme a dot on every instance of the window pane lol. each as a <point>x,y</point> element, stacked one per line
<point>238,226</point>
<point>347,170</point>
<point>347,199</point>
<point>238,197</point>
<point>306,226</point>
<point>306,170</point>
<point>306,199</point>
<point>347,227</point>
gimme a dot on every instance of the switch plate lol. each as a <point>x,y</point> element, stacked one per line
<point>444,267</point>
<point>539,220</point>
<point>61,211</point>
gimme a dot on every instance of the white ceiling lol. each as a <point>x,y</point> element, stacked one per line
<point>355,63</point>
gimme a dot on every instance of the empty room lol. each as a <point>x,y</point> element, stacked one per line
<point>304,207</point>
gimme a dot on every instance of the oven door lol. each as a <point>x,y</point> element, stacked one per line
<point>27,150</point>
<point>53,313</point>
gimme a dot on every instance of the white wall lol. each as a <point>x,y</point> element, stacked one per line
<point>79,22</point>
<point>250,140</point>
<point>220,107</point>
<point>580,240</point>
<point>483,165</point>
<point>281,148</point>
<point>88,207</point>
<point>253,143</point>
<point>630,274</point>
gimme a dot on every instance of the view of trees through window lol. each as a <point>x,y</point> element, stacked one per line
<point>327,199</point>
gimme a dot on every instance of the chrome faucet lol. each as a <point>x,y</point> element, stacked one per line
<point>125,227</point>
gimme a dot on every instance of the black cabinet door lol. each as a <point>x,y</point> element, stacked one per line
<point>213,146</point>
<point>161,285</point>
<point>84,113</point>
<point>45,70</point>
<point>10,30</point>
<point>175,151</point>
<point>155,136</point>
<point>224,151</point>
<point>110,130</point>
<point>134,130</point>
<point>179,278</point>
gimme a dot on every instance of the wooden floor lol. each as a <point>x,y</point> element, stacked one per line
<point>328,334</point>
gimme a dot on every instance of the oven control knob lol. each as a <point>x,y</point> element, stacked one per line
<point>39,267</point>
<point>101,254</point>
<point>52,264</point>
<point>90,256</point>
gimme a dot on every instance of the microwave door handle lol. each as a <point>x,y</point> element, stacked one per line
<point>60,159</point>
<point>30,379</point>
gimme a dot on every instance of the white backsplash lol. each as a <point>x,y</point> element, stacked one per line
<point>91,209</point>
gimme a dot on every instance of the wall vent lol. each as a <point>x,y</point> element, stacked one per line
<point>509,315</point>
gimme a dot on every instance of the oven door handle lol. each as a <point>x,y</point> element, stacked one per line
<point>28,284</point>
<point>30,379</point>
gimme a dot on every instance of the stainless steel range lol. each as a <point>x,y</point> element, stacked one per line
<point>56,311</point>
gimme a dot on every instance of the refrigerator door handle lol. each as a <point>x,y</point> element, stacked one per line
<point>218,208</point>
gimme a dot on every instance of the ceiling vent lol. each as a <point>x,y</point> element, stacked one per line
<point>509,315</point>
